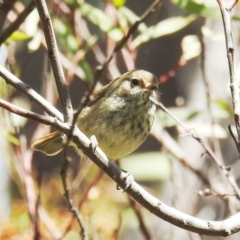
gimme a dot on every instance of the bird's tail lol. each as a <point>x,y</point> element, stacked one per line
<point>50,144</point>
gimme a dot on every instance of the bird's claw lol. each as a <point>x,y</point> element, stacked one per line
<point>128,180</point>
<point>94,143</point>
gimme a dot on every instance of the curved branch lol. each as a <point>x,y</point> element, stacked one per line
<point>25,113</point>
<point>29,92</point>
<point>169,214</point>
<point>154,205</point>
<point>225,170</point>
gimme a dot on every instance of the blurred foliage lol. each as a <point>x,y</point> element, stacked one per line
<point>156,168</point>
<point>202,8</point>
<point>102,20</point>
<point>86,35</point>
<point>165,27</point>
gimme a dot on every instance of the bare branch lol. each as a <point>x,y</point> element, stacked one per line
<point>49,223</point>
<point>226,17</point>
<point>233,137</point>
<point>29,92</point>
<point>232,4</point>
<point>72,207</point>
<point>207,192</point>
<point>174,149</point>
<point>84,197</point>
<point>224,169</point>
<point>31,195</point>
<point>5,7</point>
<point>152,8</point>
<point>24,113</point>
<point>144,229</point>
<point>62,87</point>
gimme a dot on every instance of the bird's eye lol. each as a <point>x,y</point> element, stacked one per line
<point>134,82</point>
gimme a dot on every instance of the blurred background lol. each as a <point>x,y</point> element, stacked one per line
<point>182,43</point>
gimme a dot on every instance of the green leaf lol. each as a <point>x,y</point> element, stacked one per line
<point>118,3</point>
<point>19,36</point>
<point>131,17</point>
<point>59,26</point>
<point>166,27</point>
<point>100,19</point>
<point>11,138</point>
<point>72,42</point>
<point>224,106</point>
<point>198,8</point>
<point>87,70</point>
<point>20,220</point>
<point>192,115</point>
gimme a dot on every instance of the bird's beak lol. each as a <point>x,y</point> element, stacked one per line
<point>151,87</point>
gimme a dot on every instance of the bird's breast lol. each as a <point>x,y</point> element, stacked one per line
<point>119,126</point>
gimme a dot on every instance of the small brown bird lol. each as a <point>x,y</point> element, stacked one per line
<point>120,116</point>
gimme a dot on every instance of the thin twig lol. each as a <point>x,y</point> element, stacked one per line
<point>226,17</point>
<point>47,221</point>
<point>67,64</point>
<point>190,132</point>
<point>25,113</point>
<point>206,192</point>
<point>29,92</point>
<point>152,8</point>
<point>144,229</point>
<point>162,107</point>
<point>53,54</point>
<point>7,32</point>
<point>5,7</point>
<point>213,141</point>
<point>233,137</point>
<point>72,207</point>
<point>90,186</point>
<point>31,196</point>
<point>84,197</point>
<point>226,170</point>
<point>232,4</point>
<point>172,147</point>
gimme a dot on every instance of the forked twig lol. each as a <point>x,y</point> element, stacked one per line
<point>226,17</point>
<point>226,170</point>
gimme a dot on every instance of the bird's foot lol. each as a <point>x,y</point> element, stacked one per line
<point>94,143</point>
<point>128,180</point>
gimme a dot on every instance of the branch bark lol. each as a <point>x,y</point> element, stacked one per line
<point>226,17</point>
<point>55,61</point>
<point>29,92</point>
